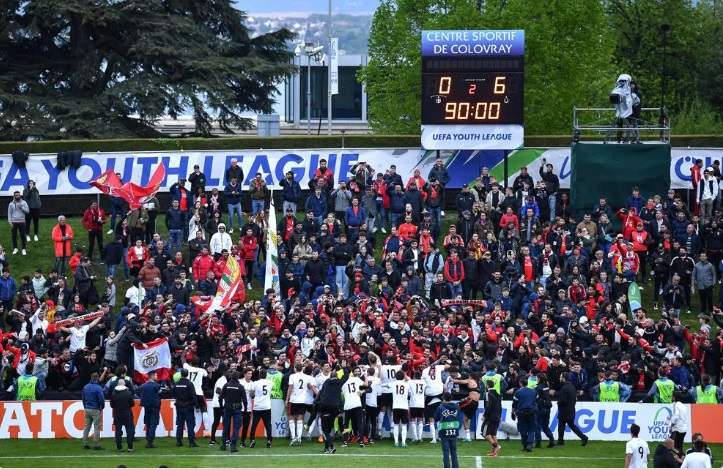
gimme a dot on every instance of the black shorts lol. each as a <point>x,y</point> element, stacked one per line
<point>400,416</point>
<point>200,403</point>
<point>489,428</point>
<point>430,409</point>
<point>469,408</point>
<point>416,412</point>
<point>384,400</point>
<point>297,409</point>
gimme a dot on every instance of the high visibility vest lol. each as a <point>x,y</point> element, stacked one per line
<point>610,392</point>
<point>495,379</point>
<point>665,390</point>
<point>532,382</point>
<point>26,388</point>
<point>707,395</point>
<point>275,378</point>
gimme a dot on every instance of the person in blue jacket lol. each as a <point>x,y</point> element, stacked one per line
<point>151,403</point>
<point>524,409</point>
<point>447,418</point>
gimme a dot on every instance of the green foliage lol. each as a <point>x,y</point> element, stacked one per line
<point>695,116</point>
<point>563,66</point>
<point>106,68</point>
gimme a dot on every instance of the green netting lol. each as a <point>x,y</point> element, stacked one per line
<point>612,170</point>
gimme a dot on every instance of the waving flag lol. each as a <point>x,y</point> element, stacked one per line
<point>156,357</point>
<point>271,279</point>
<point>135,195</point>
<point>227,285</point>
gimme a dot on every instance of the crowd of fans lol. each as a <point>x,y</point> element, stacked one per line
<point>520,279</point>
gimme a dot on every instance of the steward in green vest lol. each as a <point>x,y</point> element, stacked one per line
<point>706,393</point>
<point>27,385</point>
<point>609,391</point>
<point>662,390</point>
<point>491,375</point>
<point>276,376</point>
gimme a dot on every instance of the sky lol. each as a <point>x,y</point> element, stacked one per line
<point>287,7</point>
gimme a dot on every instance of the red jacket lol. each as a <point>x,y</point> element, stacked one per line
<point>249,244</point>
<point>630,221</point>
<point>201,266</point>
<point>134,260</point>
<point>93,219</point>
<point>453,271</point>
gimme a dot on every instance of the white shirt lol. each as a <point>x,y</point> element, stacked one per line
<point>351,390</point>
<point>196,375</point>
<point>248,387</point>
<point>371,397</point>
<point>433,380</point>
<point>417,397</point>
<point>219,385</point>
<point>307,344</point>
<point>696,460</point>
<point>640,452</point>
<point>219,242</point>
<point>679,418</point>
<point>320,380</point>
<point>389,375</point>
<point>77,337</point>
<point>300,387</point>
<point>400,395</point>
<point>262,394</point>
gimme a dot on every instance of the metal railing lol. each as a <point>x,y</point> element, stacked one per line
<point>600,122</point>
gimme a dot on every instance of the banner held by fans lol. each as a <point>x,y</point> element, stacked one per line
<point>271,279</point>
<point>134,194</point>
<point>155,357</point>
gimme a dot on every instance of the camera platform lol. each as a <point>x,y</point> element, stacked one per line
<point>601,125</point>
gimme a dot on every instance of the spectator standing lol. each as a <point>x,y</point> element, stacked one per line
<point>439,172</point>
<point>234,171</point>
<point>93,220</point>
<point>17,210</point>
<point>323,178</point>
<point>704,277</point>
<point>31,195</point>
<point>151,207</point>
<point>175,222</point>
<point>233,191</point>
<point>118,208</point>
<point>552,185</point>
<point>290,192</point>
<point>196,179</point>
<point>258,191</point>
<point>180,193</point>
<point>342,200</point>
<point>93,405</point>
<point>62,235</point>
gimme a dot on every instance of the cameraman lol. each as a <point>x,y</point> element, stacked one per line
<point>666,455</point>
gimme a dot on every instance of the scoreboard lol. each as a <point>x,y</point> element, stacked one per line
<point>472,90</point>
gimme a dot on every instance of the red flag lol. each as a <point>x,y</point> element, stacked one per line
<point>132,193</point>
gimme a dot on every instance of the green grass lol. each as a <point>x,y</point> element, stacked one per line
<point>68,453</point>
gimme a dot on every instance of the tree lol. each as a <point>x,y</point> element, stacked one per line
<point>568,61</point>
<point>111,68</point>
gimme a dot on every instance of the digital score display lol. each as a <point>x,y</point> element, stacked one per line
<point>472,98</point>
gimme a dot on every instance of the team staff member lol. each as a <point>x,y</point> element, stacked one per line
<point>447,418</point>
<point>233,402</point>
<point>524,409</point>
<point>566,400</point>
<point>665,456</point>
<point>492,417</point>
<point>151,403</point>
<point>329,401</point>
<point>185,394</point>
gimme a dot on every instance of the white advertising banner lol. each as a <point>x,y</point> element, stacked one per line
<point>334,63</point>
<point>473,137</point>
<point>608,421</point>
<point>463,166</point>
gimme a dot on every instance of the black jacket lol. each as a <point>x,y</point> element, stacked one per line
<point>663,457</point>
<point>330,395</point>
<point>233,396</point>
<point>493,407</point>
<point>122,402</point>
<point>185,394</point>
<point>566,399</point>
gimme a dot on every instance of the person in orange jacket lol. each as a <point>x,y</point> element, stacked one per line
<point>62,236</point>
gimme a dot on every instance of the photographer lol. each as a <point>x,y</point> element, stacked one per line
<point>341,196</point>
